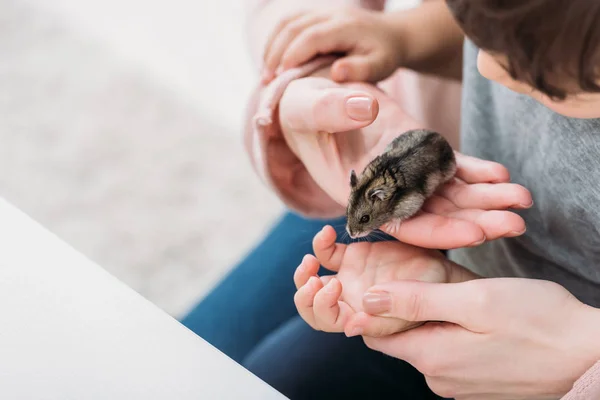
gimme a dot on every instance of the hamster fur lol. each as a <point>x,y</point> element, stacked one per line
<point>394,185</point>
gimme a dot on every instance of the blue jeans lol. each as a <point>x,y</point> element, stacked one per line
<point>250,316</point>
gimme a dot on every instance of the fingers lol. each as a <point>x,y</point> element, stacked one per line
<point>486,196</point>
<point>422,301</point>
<point>307,106</point>
<point>374,326</point>
<point>370,67</point>
<point>304,299</point>
<point>434,231</point>
<point>321,38</point>
<point>320,306</point>
<point>286,36</point>
<point>475,170</point>
<point>329,253</point>
<point>268,73</point>
<point>330,313</point>
<point>420,346</point>
<point>310,42</point>
<point>494,224</point>
<point>307,268</point>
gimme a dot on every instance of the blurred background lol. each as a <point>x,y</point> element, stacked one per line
<point>120,131</point>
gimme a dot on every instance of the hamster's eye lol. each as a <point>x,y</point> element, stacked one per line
<point>364,219</point>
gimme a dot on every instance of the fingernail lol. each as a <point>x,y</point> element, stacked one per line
<point>521,205</point>
<point>477,243</point>
<point>312,283</point>
<point>377,302</point>
<point>527,205</point>
<point>515,233</point>
<point>355,331</point>
<point>360,108</point>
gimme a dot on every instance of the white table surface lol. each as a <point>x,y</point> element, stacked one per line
<point>69,330</point>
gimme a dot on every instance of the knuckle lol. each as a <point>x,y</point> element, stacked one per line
<point>429,366</point>
<point>482,299</point>
<point>320,116</point>
<point>327,98</point>
<point>298,300</point>
<point>317,33</point>
<point>433,361</point>
<point>286,36</point>
<point>370,342</point>
<point>441,388</point>
<point>294,28</point>
<point>378,330</point>
<point>415,306</point>
<point>325,324</point>
<point>290,18</point>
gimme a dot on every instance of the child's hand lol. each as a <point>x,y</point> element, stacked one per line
<point>327,303</point>
<point>372,47</point>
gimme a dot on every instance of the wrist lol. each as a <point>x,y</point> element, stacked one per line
<point>581,347</point>
<point>428,39</point>
<point>591,343</point>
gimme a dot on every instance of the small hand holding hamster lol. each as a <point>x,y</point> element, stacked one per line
<point>334,303</point>
<point>394,186</point>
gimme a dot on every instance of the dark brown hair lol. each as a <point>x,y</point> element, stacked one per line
<point>552,45</point>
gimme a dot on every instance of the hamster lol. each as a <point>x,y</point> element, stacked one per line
<point>394,185</point>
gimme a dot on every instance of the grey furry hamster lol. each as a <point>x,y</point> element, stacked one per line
<point>394,185</point>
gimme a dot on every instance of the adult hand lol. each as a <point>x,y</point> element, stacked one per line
<point>333,128</point>
<point>327,302</point>
<point>501,338</point>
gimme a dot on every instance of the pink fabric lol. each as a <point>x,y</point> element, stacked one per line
<point>587,387</point>
<point>272,158</point>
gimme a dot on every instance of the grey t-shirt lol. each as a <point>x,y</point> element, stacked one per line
<point>558,160</point>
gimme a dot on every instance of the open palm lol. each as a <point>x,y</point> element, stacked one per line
<point>472,208</point>
<point>327,303</point>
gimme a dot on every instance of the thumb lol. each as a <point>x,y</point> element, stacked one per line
<point>360,68</point>
<point>308,106</point>
<point>421,301</point>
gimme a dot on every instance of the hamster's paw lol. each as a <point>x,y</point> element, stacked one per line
<point>392,227</point>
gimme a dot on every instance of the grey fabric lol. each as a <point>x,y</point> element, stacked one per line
<point>558,160</point>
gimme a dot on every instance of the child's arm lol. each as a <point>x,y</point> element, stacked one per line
<point>433,40</point>
<point>426,39</point>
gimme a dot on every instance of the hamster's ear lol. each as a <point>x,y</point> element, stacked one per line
<point>381,193</point>
<point>353,179</point>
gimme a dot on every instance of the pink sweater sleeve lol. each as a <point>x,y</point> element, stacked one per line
<point>587,387</point>
<point>271,158</point>
<point>279,168</point>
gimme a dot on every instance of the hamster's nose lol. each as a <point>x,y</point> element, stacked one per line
<point>349,232</point>
<point>352,235</point>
